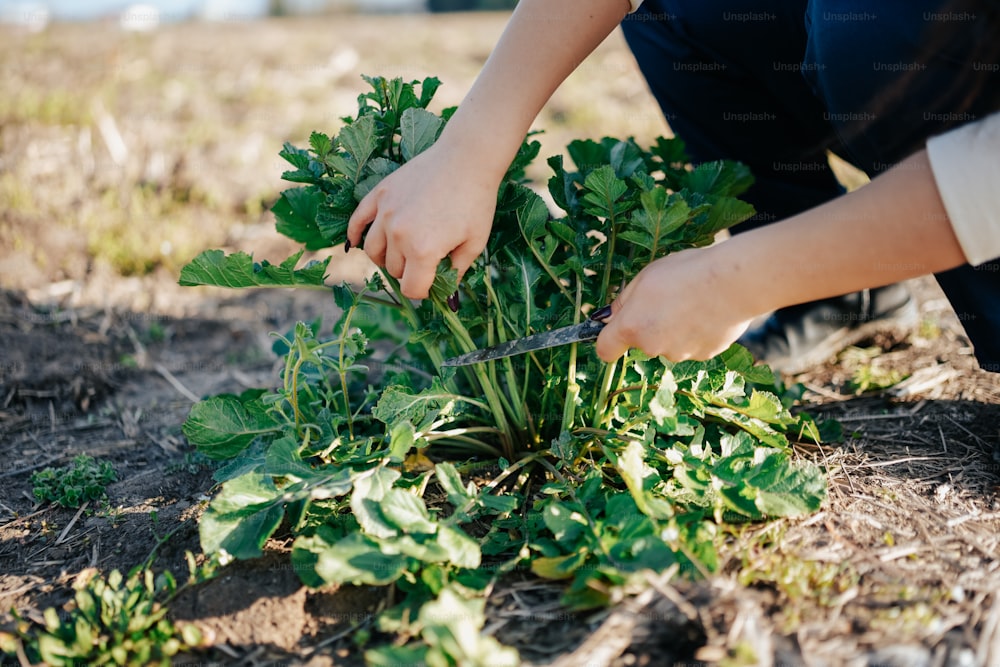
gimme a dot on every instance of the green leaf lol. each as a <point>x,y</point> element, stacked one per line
<point>452,625</point>
<point>366,501</point>
<point>739,359</point>
<point>334,214</point>
<point>394,656</point>
<point>463,551</point>
<point>360,140</point>
<point>428,87</point>
<point>765,406</point>
<point>241,518</point>
<point>566,447</point>
<point>296,157</point>
<point>664,410</point>
<point>407,512</point>
<point>588,154</point>
<point>358,559</point>
<point>283,459</point>
<point>445,282</point>
<point>532,216</point>
<point>722,178</point>
<point>625,158</point>
<point>419,129</point>
<point>214,267</point>
<point>376,169</point>
<point>640,479</point>
<point>661,214</point>
<point>295,213</point>
<point>221,427</point>
<point>402,437</point>
<point>343,165</point>
<point>321,144</point>
<point>399,404</point>
<point>499,504</point>
<point>723,213</point>
<point>558,567</point>
<point>449,479</point>
<point>565,523</point>
<point>786,489</point>
<point>605,189</point>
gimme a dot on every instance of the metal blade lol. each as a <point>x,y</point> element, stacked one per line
<point>585,331</point>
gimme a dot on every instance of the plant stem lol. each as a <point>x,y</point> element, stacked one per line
<point>612,237</point>
<point>548,269</point>
<point>340,362</point>
<point>602,408</point>
<point>572,388</point>
<point>515,403</point>
<point>485,384</point>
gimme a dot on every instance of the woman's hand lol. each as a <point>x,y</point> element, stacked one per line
<point>692,305</point>
<point>442,202</point>
<point>678,307</point>
<point>435,206</point>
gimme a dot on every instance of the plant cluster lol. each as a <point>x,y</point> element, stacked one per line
<point>70,486</point>
<point>388,469</point>
<point>112,620</point>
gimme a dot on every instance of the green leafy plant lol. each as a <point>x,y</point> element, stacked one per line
<point>112,620</point>
<point>867,373</point>
<point>70,486</point>
<point>391,470</point>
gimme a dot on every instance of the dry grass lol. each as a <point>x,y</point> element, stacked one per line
<point>137,151</point>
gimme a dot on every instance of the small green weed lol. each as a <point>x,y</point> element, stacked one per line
<point>871,377</point>
<point>112,620</point>
<point>71,486</point>
<point>868,374</point>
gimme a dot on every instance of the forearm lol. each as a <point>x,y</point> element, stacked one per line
<point>542,44</point>
<point>892,229</point>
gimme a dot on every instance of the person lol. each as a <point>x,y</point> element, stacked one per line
<point>904,89</point>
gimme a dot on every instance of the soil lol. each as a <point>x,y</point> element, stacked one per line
<point>900,567</point>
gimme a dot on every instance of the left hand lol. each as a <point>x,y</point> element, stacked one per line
<point>679,307</point>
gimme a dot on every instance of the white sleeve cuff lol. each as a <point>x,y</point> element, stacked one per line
<point>966,167</point>
<point>635,4</point>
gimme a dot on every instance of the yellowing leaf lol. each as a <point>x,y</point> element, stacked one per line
<point>558,567</point>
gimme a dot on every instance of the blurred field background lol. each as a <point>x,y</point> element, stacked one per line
<point>126,148</point>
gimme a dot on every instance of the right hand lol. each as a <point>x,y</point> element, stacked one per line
<point>436,205</point>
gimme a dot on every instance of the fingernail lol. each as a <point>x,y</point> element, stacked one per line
<point>347,245</point>
<point>453,302</point>
<point>601,313</point>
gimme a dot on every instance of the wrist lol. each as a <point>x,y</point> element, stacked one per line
<point>751,286</point>
<point>489,153</point>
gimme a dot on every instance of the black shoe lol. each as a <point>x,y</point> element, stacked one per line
<point>796,338</point>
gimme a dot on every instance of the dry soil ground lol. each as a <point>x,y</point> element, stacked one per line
<point>123,155</point>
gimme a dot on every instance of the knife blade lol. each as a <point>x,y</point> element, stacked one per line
<point>577,333</point>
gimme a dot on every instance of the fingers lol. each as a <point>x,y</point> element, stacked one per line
<point>395,262</point>
<point>363,216</point>
<point>463,256</point>
<point>611,344</point>
<point>612,341</point>
<point>376,244</point>
<point>417,278</point>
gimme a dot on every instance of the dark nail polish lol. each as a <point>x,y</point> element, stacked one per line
<point>347,245</point>
<point>453,302</point>
<point>601,313</point>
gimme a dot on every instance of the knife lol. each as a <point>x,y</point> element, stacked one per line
<point>577,333</point>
